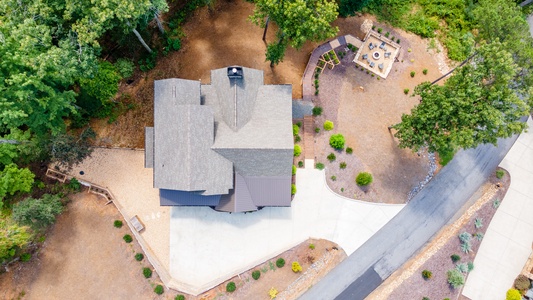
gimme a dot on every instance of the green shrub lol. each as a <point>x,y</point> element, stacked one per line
<point>398,41</point>
<point>455,278</point>
<point>297,139</point>
<point>295,130</point>
<point>317,111</point>
<point>317,129</point>
<point>412,73</point>
<point>74,185</point>
<point>466,247</point>
<point>117,223</point>
<point>427,274</point>
<point>299,124</point>
<point>513,294</point>
<point>312,246</point>
<point>179,297</point>
<point>280,262</point>
<point>500,173</point>
<point>496,203</point>
<point>422,25</point>
<point>342,165</point>
<point>139,256</point>
<point>230,287</point>
<point>455,258</point>
<point>333,177</point>
<point>465,237</point>
<point>425,298</point>
<point>103,85</point>
<point>522,283</point>
<point>337,141</point>
<point>349,150</point>
<point>293,170</point>
<point>297,150</point>
<point>425,71</point>
<point>478,223</point>
<point>293,189</point>
<point>363,179</point>
<point>300,164</point>
<point>296,267</point>
<point>331,157</point>
<point>124,67</point>
<point>380,30</point>
<point>470,266</point>
<point>328,125</point>
<point>387,34</point>
<point>463,268</point>
<point>147,272</point>
<point>256,274</point>
<point>406,91</point>
<point>127,238</point>
<point>25,257</point>
<point>445,155</point>
<point>37,212</point>
<point>159,289</point>
<point>320,166</point>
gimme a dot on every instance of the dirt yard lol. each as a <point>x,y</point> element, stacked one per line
<point>362,106</point>
<point>407,283</point>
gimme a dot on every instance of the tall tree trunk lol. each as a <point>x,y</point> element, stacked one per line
<point>266,28</point>
<point>138,35</point>
<point>462,64</point>
<point>159,25</point>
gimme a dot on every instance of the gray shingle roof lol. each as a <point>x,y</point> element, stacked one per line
<point>204,133</point>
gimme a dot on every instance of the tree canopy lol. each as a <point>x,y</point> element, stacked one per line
<point>298,21</point>
<point>477,104</point>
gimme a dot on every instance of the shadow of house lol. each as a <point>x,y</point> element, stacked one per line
<point>227,144</point>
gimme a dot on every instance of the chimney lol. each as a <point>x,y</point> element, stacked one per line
<point>235,72</point>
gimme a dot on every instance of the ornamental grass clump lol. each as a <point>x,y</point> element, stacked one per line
<point>455,278</point>
<point>364,179</point>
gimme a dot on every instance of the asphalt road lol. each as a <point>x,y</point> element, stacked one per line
<point>393,245</point>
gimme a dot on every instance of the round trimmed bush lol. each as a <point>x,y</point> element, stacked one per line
<point>127,238</point>
<point>117,223</point>
<point>499,174</point>
<point>363,179</point>
<point>280,262</point>
<point>293,189</point>
<point>317,111</point>
<point>147,272</point>
<point>349,150</point>
<point>300,164</point>
<point>139,256</point>
<point>179,297</point>
<point>337,141</point>
<point>427,274</point>
<point>293,170</point>
<point>320,166</point>
<point>230,287</point>
<point>331,157</point>
<point>328,125</point>
<point>256,274</point>
<point>25,257</point>
<point>295,130</point>
<point>513,294</point>
<point>455,258</point>
<point>317,129</point>
<point>297,150</point>
<point>412,73</point>
<point>159,289</point>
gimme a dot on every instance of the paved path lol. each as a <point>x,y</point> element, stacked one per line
<point>196,248</point>
<point>408,231</point>
<point>507,242</point>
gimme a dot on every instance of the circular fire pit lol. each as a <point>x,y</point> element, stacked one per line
<point>376,55</point>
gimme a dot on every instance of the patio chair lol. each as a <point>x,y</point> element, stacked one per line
<point>365,56</point>
<point>387,54</point>
<point>371,46</point>
<point>380,66</point>
<point>372,64</point>
<point>382,46</point>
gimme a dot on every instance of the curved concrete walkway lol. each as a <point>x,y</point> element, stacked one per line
<point>508,240</point>
<point>196,248</point>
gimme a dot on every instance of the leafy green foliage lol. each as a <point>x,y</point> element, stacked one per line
<point>12,237</point>
<point>293,170</point>
<point>139,257</point>
<point>74,185</point>
<point>147,272</point>
<point>426,274</point>
<point>18,146</point>
<point>349,7</point>
<point>295,129</point>
<point>328,125</point>
<point>317,129</point>
<point>124,67</point>
<point>231,287</point>
<point>406,91</point>
<point>127,238</point>
<point>159,289</point>
<point>280,262</point>
<point>104,84</point>
<point>455,278</point>
<point>117,224</point>
<point>67,150</point>
<point>13,180</point>
<point>513,294</point>
<point>422,25</point>
<point>298,21</point>
<point>25,257</point>
<point>337,141</point>
<point>179,297</point>
<point>300,164</point>
<point>475,105</point>
<point>500,173</point>
<point>349,150</point>
<point>293,189</point>
<point>455,258</point>
<point>297,150</point>
<point>38,212</point>
<point>317,111</point>
<point>470,266</point>
<point>331,157</point>
<point>256,274</point>
<point>320,166</point>
<point>364,179</point>
<point>334,178</point>
<point>342,165</point>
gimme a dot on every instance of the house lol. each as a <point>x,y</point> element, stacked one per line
<point>227,144</point>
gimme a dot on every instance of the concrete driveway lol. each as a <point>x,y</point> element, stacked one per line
<point>508,240</point>
<point>196,248</point>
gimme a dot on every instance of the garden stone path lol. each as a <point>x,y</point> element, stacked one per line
<point>196,248</point>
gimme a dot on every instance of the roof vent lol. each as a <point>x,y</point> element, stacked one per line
<point>235,72</point>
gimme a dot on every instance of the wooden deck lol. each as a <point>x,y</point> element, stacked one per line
<point>309,137</point>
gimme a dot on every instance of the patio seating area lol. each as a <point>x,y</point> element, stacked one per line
<point>377,50</point>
